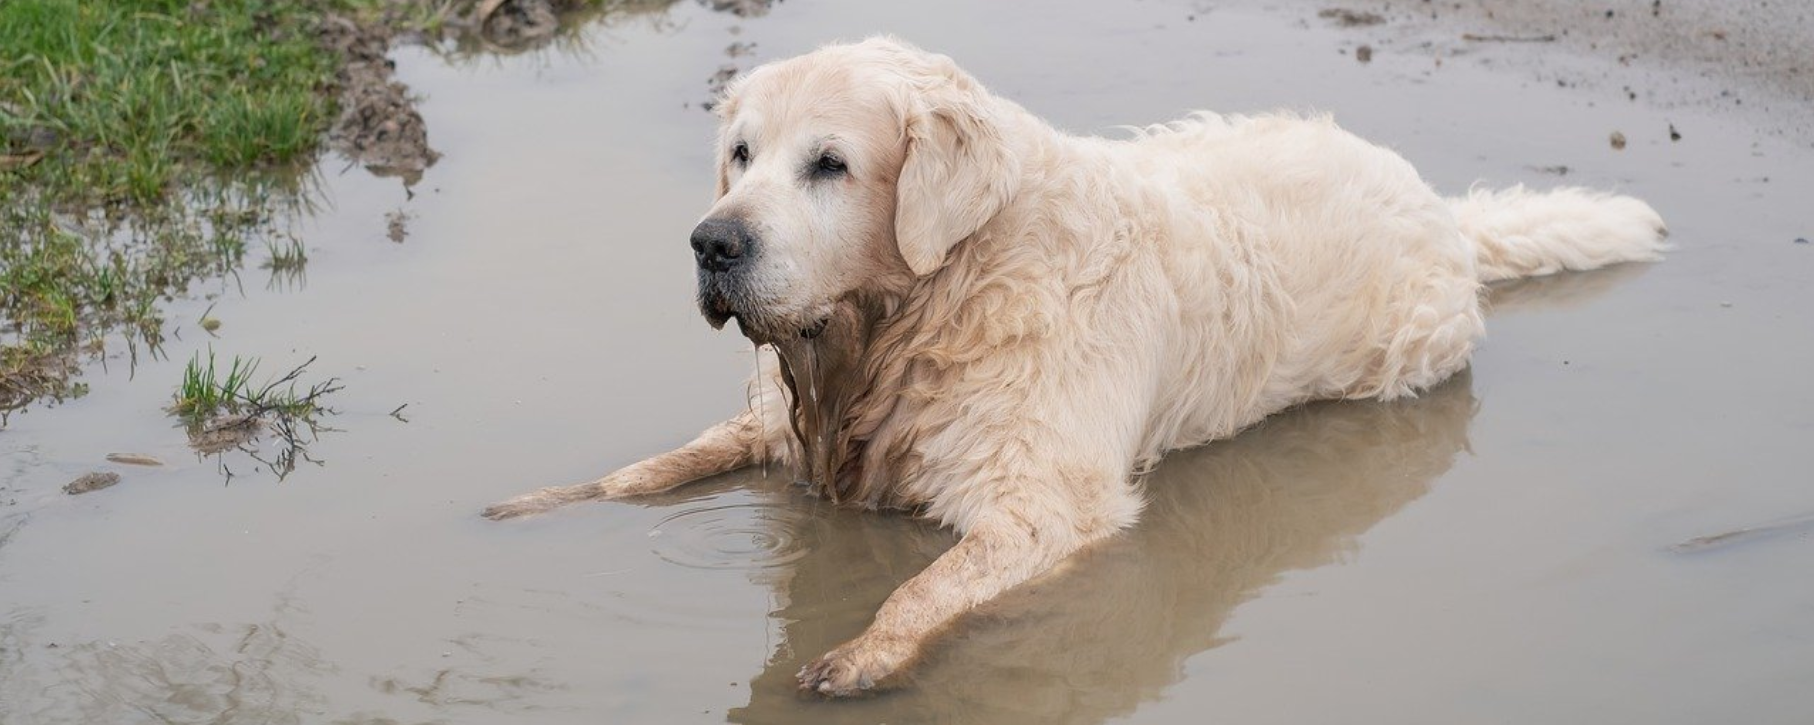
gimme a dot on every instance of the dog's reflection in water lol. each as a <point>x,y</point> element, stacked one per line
<point>1110,630</point>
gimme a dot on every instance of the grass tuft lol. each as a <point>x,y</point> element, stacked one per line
<point>210,391</point>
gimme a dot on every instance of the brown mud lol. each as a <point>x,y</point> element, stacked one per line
<point>379,125</point>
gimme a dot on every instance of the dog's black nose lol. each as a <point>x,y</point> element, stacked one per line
<point>720,243</point>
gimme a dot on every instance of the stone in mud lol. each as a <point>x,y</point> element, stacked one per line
<point>93,481</point>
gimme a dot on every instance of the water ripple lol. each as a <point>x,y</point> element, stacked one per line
<point>736,536</point>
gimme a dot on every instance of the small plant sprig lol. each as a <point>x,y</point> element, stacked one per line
<point>224,410</point>
<point>207,391</point>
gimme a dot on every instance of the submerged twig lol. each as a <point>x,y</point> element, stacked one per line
<point>1508,38</point>
<point>1698,544</point>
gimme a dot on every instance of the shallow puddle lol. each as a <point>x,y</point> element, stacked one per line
<point>1504,549</point>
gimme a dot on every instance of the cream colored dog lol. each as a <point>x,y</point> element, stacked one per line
<point>978,318</point>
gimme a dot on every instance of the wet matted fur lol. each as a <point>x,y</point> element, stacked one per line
<point>970,315</point>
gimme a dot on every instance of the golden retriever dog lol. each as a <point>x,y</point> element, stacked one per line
<point>967,314</point>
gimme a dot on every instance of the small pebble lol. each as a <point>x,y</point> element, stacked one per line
<point>1364,54</point>
<point>91,482</point>
<point>1801,240</point>
<point>1618,140</point>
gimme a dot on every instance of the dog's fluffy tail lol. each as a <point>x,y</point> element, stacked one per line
<point>1521,233</point>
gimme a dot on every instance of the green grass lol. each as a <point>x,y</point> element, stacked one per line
<point>143,144</point>
<point>68,282</point>
<point>208,390</point>
<point>127,98</point>
<point>205,391</point>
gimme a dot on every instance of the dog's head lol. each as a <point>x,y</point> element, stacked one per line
<point>850,170</point>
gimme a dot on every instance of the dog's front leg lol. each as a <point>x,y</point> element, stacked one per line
<point>756,436</point>
<point>991,558</point>
<point>727,446</point>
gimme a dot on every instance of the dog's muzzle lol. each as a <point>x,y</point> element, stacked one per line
<point>723,249</point>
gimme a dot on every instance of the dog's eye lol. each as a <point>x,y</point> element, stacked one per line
<point>829,165</point>
<point>740,153</point>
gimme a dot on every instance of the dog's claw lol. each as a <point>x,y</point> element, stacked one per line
<point>501,511</point>
<point>844,672</point>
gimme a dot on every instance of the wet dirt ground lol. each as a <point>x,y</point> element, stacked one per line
<point>1537,541</point>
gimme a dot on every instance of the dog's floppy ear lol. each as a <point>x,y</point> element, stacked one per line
<point>959,171</point>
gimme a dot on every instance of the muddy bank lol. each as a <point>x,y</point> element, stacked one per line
<point>378,125</point>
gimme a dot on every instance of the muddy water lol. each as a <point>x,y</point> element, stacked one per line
<point>1499,550</point>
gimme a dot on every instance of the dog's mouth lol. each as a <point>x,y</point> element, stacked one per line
<point>761,328</point>
<point>760,317</point>
<point>764,332</point>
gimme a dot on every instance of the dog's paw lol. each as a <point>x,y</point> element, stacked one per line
<point>849,670</point>
<point>525,505</point>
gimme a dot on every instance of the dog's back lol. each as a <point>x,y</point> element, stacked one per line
<point>1314,264</point>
